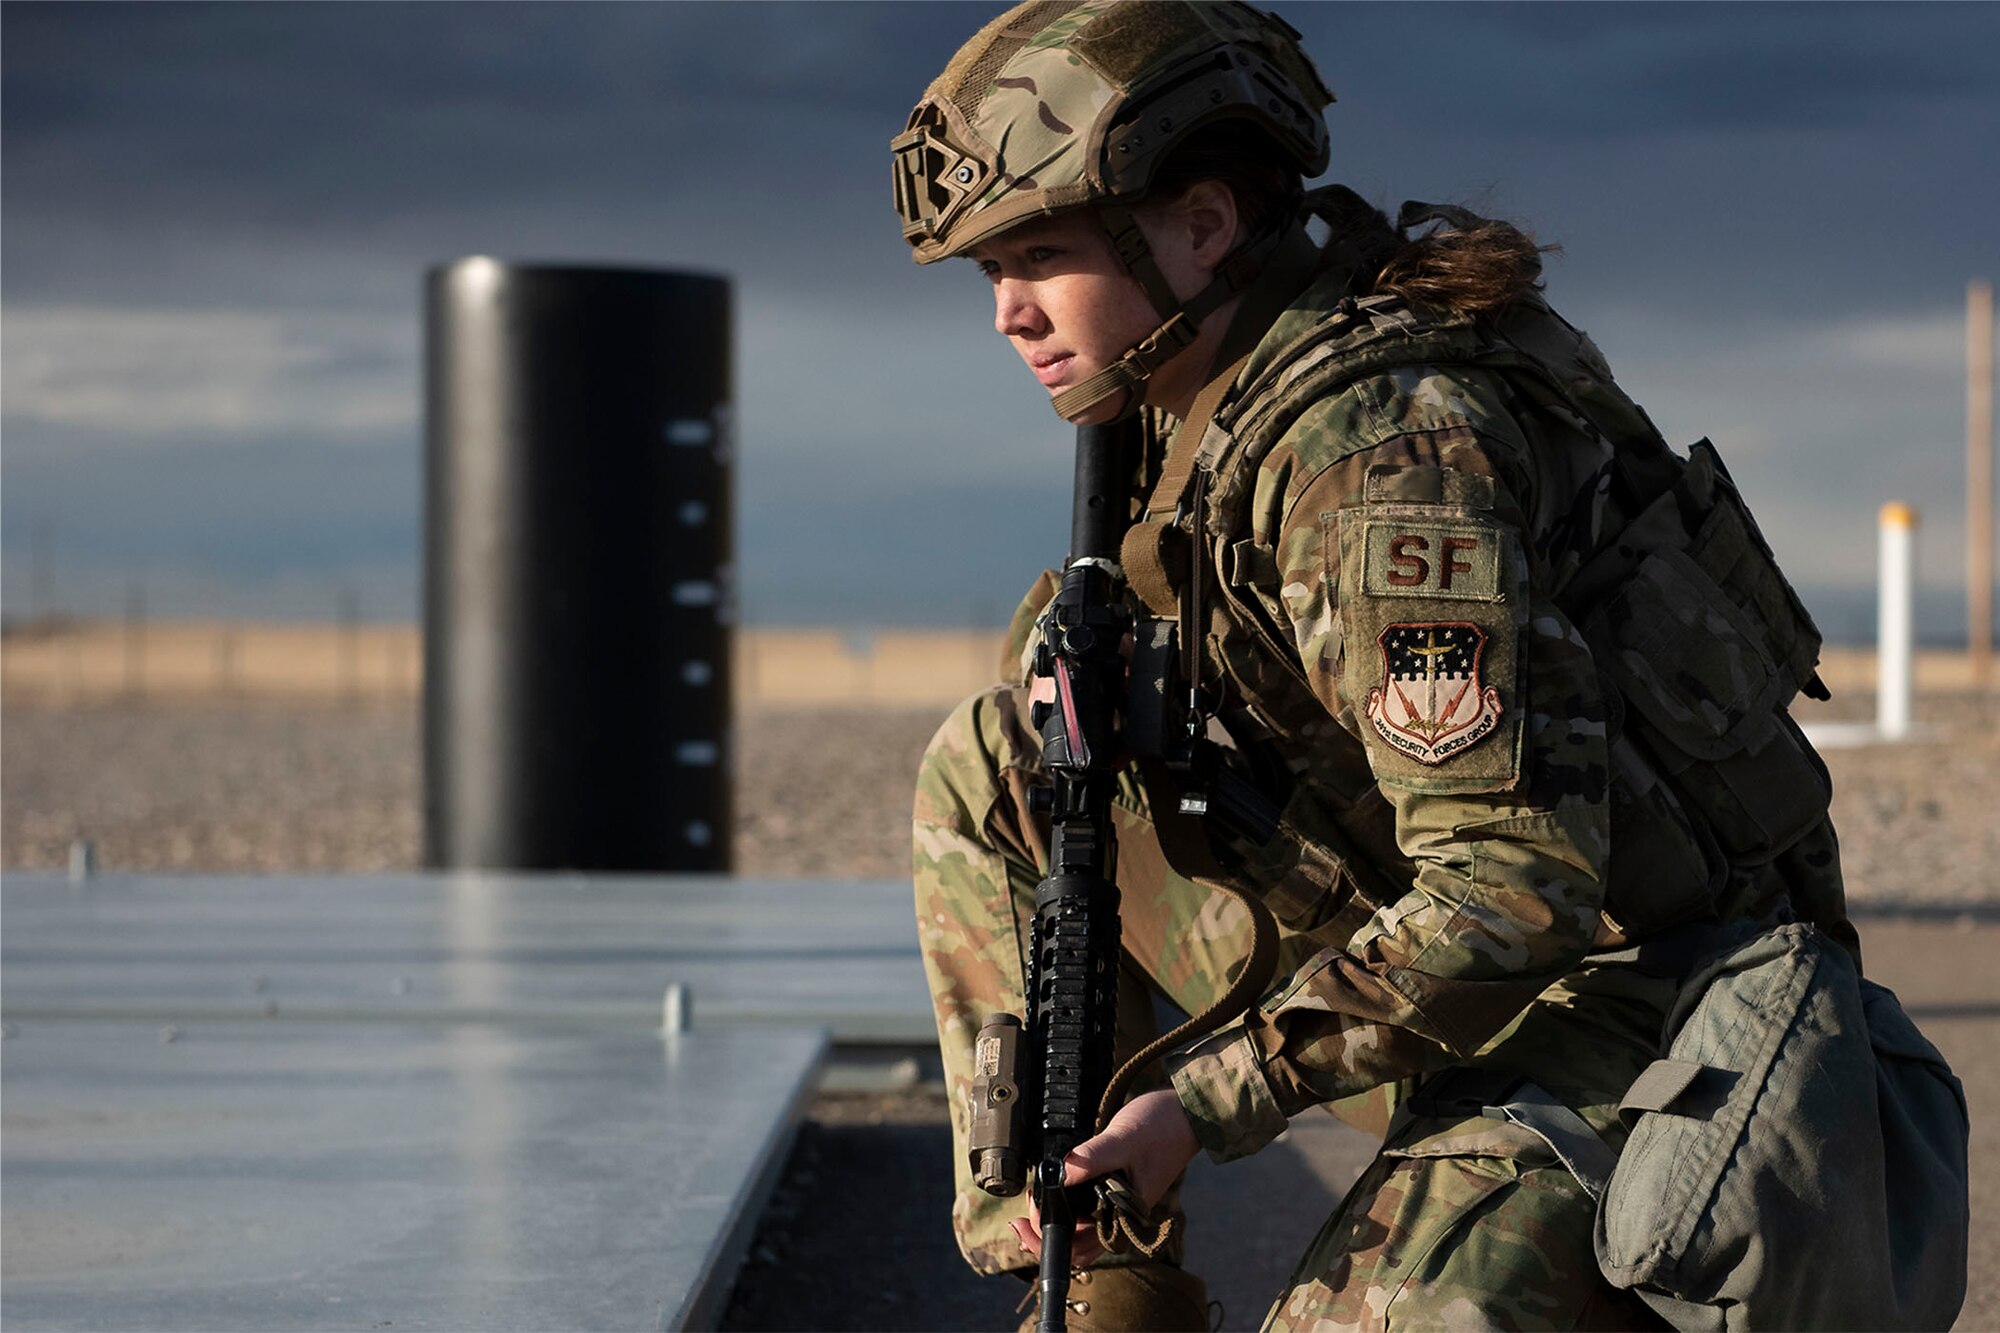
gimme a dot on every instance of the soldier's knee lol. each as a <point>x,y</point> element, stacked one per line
<point>960,771</point>
<point>956,760</point>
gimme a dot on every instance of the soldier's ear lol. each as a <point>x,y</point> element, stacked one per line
<point>1207,210</point>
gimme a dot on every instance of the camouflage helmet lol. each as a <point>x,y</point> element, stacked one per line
<point>1057,104</point>
<point>1063,104</point>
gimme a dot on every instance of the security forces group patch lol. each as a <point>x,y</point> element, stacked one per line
<point>1432,703</point>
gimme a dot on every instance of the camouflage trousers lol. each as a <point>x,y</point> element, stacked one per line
<point>1467,1222</point>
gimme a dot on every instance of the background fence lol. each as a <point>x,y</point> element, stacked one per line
<point>84,663</point>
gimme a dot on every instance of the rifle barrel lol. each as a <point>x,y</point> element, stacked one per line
<point>1054,1281</point>
<point>1101,510</point>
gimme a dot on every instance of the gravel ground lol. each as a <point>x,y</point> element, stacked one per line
<point>822,792</point>
<point>1916,822</point>
<point>257,788</point>
<point>865,1164</point>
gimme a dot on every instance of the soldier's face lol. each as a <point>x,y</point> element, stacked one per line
<point>1061,298</point>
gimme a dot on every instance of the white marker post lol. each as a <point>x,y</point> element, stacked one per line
<point>1895,621</point>
<point>1979,478</point>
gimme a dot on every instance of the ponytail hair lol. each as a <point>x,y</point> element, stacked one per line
<point>1469,266</point>
<point>1480,267</point>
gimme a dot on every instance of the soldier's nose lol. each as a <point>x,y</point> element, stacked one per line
<point>1014,315</point>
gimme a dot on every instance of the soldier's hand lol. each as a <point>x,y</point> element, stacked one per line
<point>1149,1139</point>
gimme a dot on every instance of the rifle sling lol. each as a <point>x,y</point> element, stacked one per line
<point>1122,1220</point>
<point>1147,553</point>
<point>1182,838</point>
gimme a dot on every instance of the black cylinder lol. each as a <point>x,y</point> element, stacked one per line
<point>578,593</point>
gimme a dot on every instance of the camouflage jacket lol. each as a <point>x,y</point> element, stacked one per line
<point>1421,613</point>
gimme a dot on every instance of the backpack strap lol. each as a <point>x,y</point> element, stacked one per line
<point>1497,1096</point>
<point>1156,570</point>
<point>1658,1087</point>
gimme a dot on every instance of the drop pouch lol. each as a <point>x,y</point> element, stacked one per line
<point>1798,1159</point>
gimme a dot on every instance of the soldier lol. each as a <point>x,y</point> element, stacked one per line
<point>1515,671</point>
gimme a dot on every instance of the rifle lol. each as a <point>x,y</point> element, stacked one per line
<point>1043,1087</point>
<point>1056,1068</point>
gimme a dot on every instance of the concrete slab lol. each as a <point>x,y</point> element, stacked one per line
<point>834,954</point>
<point>420,1101</point>
<point>494,1147</point>
<point>415,1176</point>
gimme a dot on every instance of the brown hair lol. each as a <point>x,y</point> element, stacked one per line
<point>1465,271</point>
<point>1474,269</point>
<point>1468,266</point>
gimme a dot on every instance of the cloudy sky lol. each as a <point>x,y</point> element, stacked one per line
<point>215,221</point>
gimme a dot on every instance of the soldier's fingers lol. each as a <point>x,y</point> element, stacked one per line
<point>1076,1171</point>
<point>1096,1157</point>
<point>1085,1248</point>
<point>1083,1245</point>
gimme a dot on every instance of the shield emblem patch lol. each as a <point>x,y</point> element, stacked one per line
<point>1432,703</point>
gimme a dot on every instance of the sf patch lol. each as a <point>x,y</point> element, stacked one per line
<point>1417,558</point>
<point>1432,703</point>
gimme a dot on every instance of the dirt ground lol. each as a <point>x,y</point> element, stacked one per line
<point>885,1155</point>
<point>262,788</point>
<point>820,792</point>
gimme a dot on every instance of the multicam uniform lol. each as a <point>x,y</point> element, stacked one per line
<point>1518,675</point>
<point>1397,556</point>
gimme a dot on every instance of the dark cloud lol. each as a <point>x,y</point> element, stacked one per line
<point>937,551</point>
<point>1727,181</point>
<point>320,116</point>
<point>1646,70</point>
<point>212,153</point>
<point>299,504</point>
<point>1768,161</point>
<point>327,150</point>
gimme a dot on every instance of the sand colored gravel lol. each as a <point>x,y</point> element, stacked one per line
<point>822,791</point>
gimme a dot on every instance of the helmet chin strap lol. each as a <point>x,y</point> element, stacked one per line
<point>1180,322</point>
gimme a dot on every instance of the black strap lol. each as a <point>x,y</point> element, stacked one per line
<point>1415,213</point>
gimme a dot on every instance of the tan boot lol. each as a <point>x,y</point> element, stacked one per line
<point>1137,1298</point>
